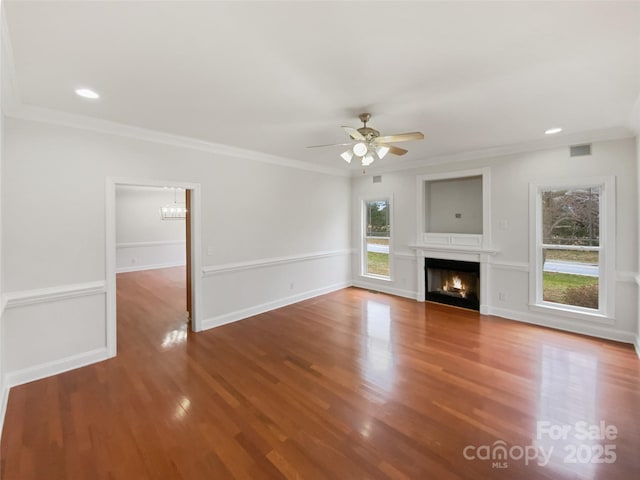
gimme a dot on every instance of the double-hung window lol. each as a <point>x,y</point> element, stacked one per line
<point>572,257</point>
<point>376,238</point>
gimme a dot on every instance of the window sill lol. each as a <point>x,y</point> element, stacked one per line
<point>376,277</point>
<point>554,309</point>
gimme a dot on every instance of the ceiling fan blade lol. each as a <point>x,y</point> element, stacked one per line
<point>401,137</point>
<point>329,145</point>
<point>354,133</point>
<point>396,150</point>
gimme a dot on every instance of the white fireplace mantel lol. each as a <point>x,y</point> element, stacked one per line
<point>452,249</point>
<point>460,253</point>
<point>466,247</point>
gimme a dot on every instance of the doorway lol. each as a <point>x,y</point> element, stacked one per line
<point>180,254</point>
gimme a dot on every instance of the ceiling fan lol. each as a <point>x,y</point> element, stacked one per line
<point>368,145</point>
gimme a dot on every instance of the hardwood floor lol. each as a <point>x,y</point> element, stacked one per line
<point>349,385</point>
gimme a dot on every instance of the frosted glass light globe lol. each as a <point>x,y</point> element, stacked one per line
<point>360,149</point>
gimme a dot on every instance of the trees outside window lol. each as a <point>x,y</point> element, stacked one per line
<point>572,247</point>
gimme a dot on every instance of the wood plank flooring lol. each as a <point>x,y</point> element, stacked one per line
<point>349,385</point>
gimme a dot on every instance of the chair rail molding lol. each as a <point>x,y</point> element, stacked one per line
<point>155,243</point>
<point>212,270</point>
<point>510,265</point>
<point>53,294</point>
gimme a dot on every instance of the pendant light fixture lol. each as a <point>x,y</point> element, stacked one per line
<point>175,210</point>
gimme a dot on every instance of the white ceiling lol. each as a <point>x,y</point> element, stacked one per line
<point>277,76</point>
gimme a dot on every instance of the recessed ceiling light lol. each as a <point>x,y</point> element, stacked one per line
<point>551,131</point>
<point>87,93</point>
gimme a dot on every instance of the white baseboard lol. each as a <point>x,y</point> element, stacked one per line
<point>55,367</point>
<point>566,325</point>
<point>377,287</point>
<point>265,307</point>
<point>138,268</point>
<point>637,345</point>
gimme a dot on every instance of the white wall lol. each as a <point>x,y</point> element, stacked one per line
<point>270,235</point>
<point>143,239</point>
<point>510,177</point>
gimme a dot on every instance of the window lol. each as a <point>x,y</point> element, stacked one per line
<point>573,249</point>
<point>376,238</point>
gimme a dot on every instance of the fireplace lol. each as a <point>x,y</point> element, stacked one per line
<point>452,282</point>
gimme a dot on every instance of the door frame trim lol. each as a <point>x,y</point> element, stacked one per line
<point>110,252</point>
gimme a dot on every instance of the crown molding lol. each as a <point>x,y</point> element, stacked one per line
<point>57,117</point>
<point>13,109</point>
<point>601,135</point>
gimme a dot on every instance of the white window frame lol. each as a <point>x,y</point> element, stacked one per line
<point>363,237</point>
<point>606,258</point>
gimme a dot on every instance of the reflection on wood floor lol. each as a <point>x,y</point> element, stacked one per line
<point>348,385</point>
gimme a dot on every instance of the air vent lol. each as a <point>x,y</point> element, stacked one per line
<point>580,150</point>
<point>377,179</point>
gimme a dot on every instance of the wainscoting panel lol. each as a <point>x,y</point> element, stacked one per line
<point>52,330</point>
<point>240,290</point>
<point>509,298</point>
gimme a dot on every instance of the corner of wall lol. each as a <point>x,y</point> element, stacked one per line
<point>4,389</point>
<point>637,342</point>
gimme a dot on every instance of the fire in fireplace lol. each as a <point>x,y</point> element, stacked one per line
<point>453,282</point>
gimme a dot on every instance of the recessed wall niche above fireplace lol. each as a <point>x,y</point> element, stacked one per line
<point>453,209</point>
<point>452,282</point>
<point>454,225</point>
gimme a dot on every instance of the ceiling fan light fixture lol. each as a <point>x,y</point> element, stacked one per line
<point>366,144</point>
<point>367,160</point>
<point>382,151</point>
<point>347,156</point>
<point>360,149</point>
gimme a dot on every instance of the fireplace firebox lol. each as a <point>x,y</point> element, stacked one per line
<point>452,282</point>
